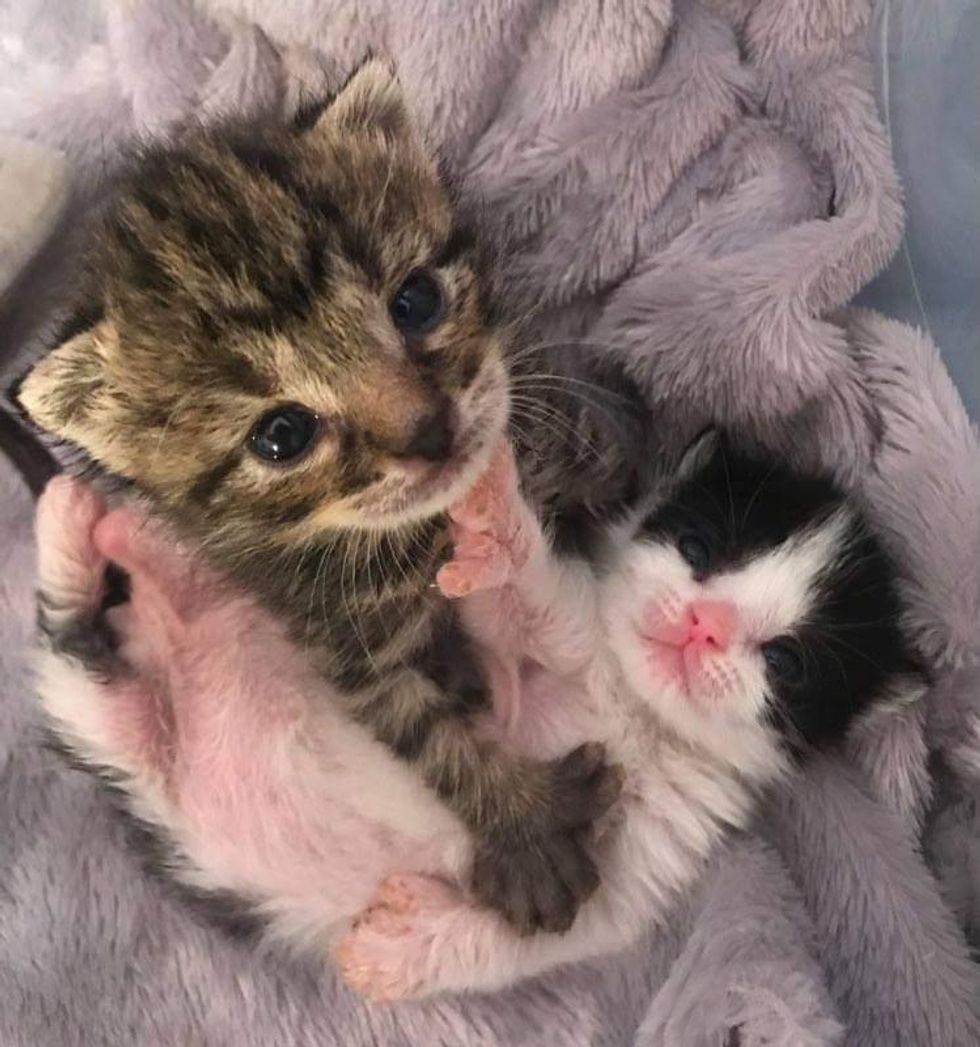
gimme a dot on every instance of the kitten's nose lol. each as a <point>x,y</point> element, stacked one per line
<point>433,436</point>
<point>710,624</point>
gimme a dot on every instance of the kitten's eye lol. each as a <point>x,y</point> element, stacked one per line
<point>417,307</point>
<point>783,661</point>
<point>695,551</point>
<point>284,433</point>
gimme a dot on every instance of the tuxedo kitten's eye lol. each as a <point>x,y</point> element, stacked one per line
<point>417,306</point>
<point>284,433</point>
<point>695,551</point>
<point>783,661</point>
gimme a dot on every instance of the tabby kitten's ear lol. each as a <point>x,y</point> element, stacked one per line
<point>65,392</point>
<point>371,99</point>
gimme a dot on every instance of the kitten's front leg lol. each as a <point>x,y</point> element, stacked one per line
<point>518,598</point>
<point>494,533</point>
<point>529,819</point>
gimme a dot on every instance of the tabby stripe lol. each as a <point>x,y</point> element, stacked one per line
<point>204,488</point>
<point>460,242</point>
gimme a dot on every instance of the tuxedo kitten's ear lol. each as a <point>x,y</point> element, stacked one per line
<point>371,99</point>
<point>888,743</point>
<point>65,392</point>
<point>699,452</point>
<point>908,688</point>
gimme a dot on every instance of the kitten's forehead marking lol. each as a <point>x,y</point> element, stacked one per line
<point>776,589</point>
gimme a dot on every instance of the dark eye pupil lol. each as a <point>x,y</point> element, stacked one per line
<point>284,433</point>
<point>417,307</point>
<point>695,551</point>
<point>783,662</point>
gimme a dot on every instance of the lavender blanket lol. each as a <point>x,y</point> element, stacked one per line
<point>698,188</point>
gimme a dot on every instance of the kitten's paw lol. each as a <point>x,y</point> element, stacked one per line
<point>493,531</point>
<point>387,953</point>
<point>539,877</point>
<point>160,571</point>
<point>68,561</point>
<point>479,562</point>
<point>70,568</point>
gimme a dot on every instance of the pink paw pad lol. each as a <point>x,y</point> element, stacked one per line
<point>487,531</point>
<point>383,956</point>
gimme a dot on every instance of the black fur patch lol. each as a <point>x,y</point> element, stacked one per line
<point>739,506</point>
<point>117,587</point>
<point>309,111</point>
<point>89,640</point>
<point>461,242</point>
<point>86,315</point>
<point>232,914</point>
<point>851,644</point>
<point>26,452</point>
<point>263,158</point>
<point>207,483</point>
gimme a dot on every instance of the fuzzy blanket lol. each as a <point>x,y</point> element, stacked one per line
<point>699,189</point>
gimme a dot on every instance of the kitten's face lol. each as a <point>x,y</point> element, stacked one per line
<point>753,600</point>
<point>294,332</point>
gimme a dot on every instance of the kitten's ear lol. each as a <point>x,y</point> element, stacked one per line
<point>908,688</point>
<point>65,389</point>
<point>699,452</point>
<point>371,98</point>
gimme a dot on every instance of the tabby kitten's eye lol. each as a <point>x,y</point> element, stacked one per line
<point>695,551</point>
<point>284,433</point>
<point>417,305</point>
<point>783,661</point>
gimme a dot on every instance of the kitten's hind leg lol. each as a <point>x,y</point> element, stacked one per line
<point>421,937</point>
<point>72,574</point>
<point>102,710</point>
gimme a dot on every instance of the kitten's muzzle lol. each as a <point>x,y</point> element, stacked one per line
<point>683,647</point>
<point>704,624</point>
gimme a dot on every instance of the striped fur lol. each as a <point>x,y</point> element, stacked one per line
<point>247,267</point>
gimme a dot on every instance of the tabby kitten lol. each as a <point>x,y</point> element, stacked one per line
<point>288,350</point>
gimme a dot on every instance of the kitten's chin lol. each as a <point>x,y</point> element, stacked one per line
<point>701,719</point>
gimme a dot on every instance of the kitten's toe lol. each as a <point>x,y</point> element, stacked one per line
<point>455,580</point>
<point>585,785</point>
<point>468,574</point>
<point>386,954</point>
<point>70,568</point>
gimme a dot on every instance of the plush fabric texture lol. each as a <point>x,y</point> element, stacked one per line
<point>699,189</point>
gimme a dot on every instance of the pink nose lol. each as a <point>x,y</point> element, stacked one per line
<point>710,624</point>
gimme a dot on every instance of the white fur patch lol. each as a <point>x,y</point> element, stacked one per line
<point>721,705</point>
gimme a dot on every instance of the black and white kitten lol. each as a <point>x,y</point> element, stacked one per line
<point>741,619</point>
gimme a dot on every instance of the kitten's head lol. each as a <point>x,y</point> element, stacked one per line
<point>290,328</point>
<point>751,601</point>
